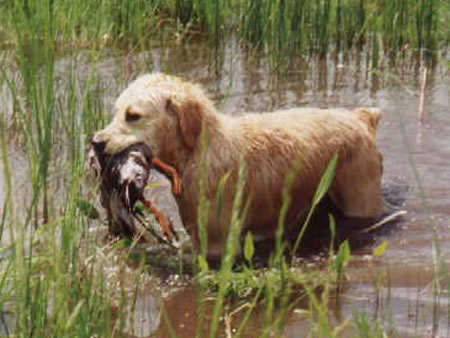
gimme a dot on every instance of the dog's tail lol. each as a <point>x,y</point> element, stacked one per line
<point>371,116</point>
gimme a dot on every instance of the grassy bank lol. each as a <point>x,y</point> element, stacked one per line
<point>56,278</point>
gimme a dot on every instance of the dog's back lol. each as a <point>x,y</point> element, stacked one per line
<point>302,139</point>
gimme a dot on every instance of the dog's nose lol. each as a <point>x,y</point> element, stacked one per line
<point>98,144</point>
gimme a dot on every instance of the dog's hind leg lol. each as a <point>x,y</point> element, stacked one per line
<point>356,190</point>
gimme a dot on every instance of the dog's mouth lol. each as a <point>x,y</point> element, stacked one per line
<point>125,173</point>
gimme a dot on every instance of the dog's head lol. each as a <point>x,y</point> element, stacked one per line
<point>155,110</point>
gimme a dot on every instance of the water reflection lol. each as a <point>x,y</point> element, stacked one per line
<point>240,81</point>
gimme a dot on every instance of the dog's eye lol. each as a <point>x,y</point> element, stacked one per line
<point>131,116</point>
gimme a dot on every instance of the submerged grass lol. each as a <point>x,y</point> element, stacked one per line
<point>279,287</point>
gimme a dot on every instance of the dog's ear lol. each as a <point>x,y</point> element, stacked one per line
<point>189,114</point>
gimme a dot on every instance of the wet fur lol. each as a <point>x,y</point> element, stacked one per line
<point>176,115</point>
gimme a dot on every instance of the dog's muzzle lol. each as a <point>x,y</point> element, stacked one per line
<point>98,144</point>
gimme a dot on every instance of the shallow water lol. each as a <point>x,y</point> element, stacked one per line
<point>416,154</point>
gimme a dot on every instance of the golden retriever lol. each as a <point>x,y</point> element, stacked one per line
<point>181,126</point>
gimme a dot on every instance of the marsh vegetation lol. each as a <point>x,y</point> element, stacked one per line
<point>62,63</point>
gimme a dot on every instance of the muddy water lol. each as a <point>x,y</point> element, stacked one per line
<point>416,155</point>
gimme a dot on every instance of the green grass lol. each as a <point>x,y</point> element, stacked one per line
<point>279,28</point>
<point>52,279</point>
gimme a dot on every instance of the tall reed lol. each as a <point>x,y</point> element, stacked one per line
<point>41,272</point>
<point>279,28</point>
<point>44,282</point>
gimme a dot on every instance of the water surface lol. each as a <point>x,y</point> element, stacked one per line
<point>415,154</point>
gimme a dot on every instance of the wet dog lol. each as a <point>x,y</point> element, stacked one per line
<point>181,126</point>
